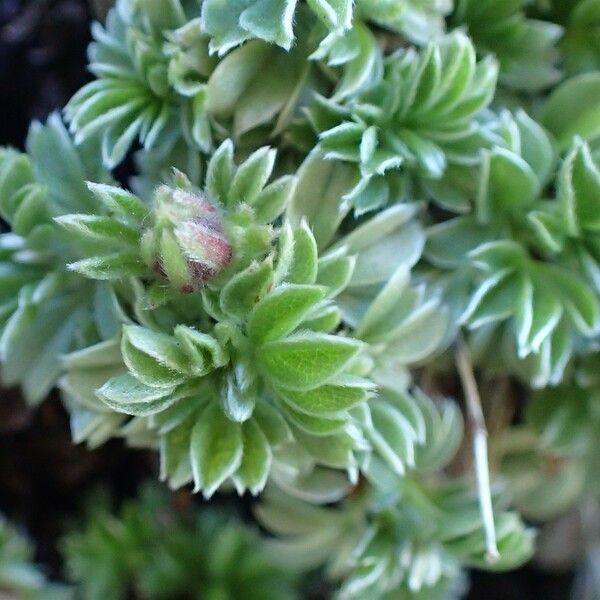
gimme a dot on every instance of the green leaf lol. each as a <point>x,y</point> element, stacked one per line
<point>203,350</point>
<point>484,294</point>
<point>271,96</point>
<point>220,172</point>
<point>507,184</point>
<point>304,264</point>
<point>148,369</point>
<point>449,242</point>
<point>111,266</point>
<point>103,354</point>
<point>330,399</point>
<point>326,319</point>
<point>285,252</point>
<point>118,138</point>
<point>127,395</point>
<point>256,463</point>
<point>237,403</point>
<point>161,347</point>
<point>305,361</point>
<point>216,450</point>
<point>34,340</point>
<point>173,262</point>
<point>318,196</point>
<point>536,146</point>
<point>234,75</point>
<point>366,60</point>
<point>389,234</point>
<point>108,311</point>
<point>393,436</point>
<point>58,165</point>
<point>175,463</point>
<point>333,451</point>
<point>31,209</point>
<point>573,109</point>
<point>272,423</point>
<point>119,201</point>
<point>498,302</point>
<point>335,271</point>
<point>578,299</point>
<point>381,310</point>
<point>546,312</point>
<point>579,187</point>
<point>420,335</point>
<point>251,176</point>
<point>223,22</point>
<point>15,175</point>
<point>245,289</point>
<point>335,14</point>
<point>274,198</point>
<point>279,313</point>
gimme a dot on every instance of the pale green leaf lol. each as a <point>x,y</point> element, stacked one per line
<point>216,449</point>
<point>256,463</point>
<point>282,311</point>
<point>305,361</point>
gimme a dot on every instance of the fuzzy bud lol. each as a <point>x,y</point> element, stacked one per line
<point>187,243</point>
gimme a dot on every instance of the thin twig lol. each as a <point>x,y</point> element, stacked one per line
<point>480,451</point>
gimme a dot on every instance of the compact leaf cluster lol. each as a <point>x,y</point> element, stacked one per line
<point>332,202</point>
<point>156,549</point>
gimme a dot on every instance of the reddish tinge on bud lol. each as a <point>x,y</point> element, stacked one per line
<point>187,243</point>
<point>205,245</point>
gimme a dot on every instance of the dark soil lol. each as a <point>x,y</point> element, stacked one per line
<point>44,478</point>
<point>42,60</point>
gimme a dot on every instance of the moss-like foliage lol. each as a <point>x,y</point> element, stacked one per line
<point>154,548</point>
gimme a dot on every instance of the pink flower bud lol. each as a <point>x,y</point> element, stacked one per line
<point>205,246</point>
<point>188,244</point>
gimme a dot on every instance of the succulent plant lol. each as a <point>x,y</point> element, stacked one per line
<point>358,246</point>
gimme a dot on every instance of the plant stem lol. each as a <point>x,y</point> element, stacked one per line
<point>480,450</point>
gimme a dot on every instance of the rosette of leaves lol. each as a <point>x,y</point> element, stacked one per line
<point>537,344</point>
<point>401,538</point>
<point>256,103</point>
<point>394,552</point>
<point>352,58</point>
<point>19,577</point>
<point>156,83</point>
<point>525,48</point>
<point>151,65</point>
<point>388,242</point>
<point>568,227</point>
<point>46,310</point>
<point>401,325</point>
<point>151,549</point>
<point>412,123</point>
<point>551,461</point>
<point>410,435</point>
<point>260,370</point>
<point>545,305</point>
<point>459,190</point>
<point>273,21</point>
